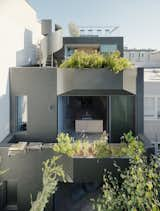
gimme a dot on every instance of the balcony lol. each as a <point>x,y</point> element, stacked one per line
<point>96,82</point>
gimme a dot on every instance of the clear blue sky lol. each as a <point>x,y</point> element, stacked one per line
<point>139,20</point>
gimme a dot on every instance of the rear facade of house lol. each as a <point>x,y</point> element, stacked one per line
<point>46,100</point>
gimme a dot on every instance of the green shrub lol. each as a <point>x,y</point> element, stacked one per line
<point>99,148</point>
<point>102,149</point>
<point>135,148</point>
<point>64,144</point>
<point>81,60</point>
<point>139,186</point>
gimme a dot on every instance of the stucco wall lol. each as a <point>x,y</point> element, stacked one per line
<point>152,130</point>
<point>40,86</point>
<point>152,88</point>
<point>152,127</point>
<point>19,35</point>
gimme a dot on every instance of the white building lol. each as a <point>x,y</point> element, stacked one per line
<point>152,106</point>
<point>139,57</point>
<point>19,37</point>
<point>155,58</point>
<point>148,58</point>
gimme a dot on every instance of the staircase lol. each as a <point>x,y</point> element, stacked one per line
<point>49,61</point>
<point>51,45</point>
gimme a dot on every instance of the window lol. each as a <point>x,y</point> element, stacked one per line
<point>131,55</point>
<point>108,48</point>
<point>99,32</point>
<point>156,146</point>
<point>149,107</point>
<point>22,113</point>
<point>82,32</point>
<point>90,32</point>
<point>152,107</point>
<point>70,51</point>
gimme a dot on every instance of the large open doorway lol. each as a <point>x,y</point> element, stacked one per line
<point>94,114</point>
<point>75,108</point>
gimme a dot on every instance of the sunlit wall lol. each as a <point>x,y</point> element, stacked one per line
<point>19,37</point>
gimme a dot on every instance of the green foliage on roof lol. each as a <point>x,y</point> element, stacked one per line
<point>81,60</point>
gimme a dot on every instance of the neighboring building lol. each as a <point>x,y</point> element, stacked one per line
<point>155,59</point>
<point>20,35</point>
<point>146,58</point>
<point>139,57</point>
<point>152,106</point>
<point>150,60</point>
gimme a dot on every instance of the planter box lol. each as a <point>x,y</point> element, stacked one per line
<point>95,82</point>
<point>87,170</point>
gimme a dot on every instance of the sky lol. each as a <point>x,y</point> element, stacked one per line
<point>138,20</point>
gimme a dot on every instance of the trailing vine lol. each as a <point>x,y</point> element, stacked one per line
<point>51,174</point>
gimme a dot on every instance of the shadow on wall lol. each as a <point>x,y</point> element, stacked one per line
<point>28,55</point>
<point>4,113</point>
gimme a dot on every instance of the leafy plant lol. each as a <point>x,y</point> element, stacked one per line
<point>99,148</point>
<point>81,60</point>
<point>51,174</point>
<point>135,147</point>
<point>139,186</point>
<point>64,144</point>
<point>102,149</point>
<point>119,150</point>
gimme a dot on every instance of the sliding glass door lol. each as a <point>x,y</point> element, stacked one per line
<point>73,108</point>
<point>116,112</point>
<point>122,114</point>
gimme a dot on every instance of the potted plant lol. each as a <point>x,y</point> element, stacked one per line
<point>109,73</point>
<point>86,162</point>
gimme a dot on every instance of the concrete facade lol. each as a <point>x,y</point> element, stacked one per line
<point>25,175</point>
<point>23,179</point>
<point>104,82</point>
<point>19,38</point>
<point>40,86</point>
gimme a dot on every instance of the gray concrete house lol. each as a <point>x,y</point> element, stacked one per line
<point>47,100</point>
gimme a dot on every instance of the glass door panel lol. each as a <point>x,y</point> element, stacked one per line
<point>122,116</point>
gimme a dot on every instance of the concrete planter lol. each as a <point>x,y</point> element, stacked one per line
<point>86,170</point>
<point>95,82</point>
